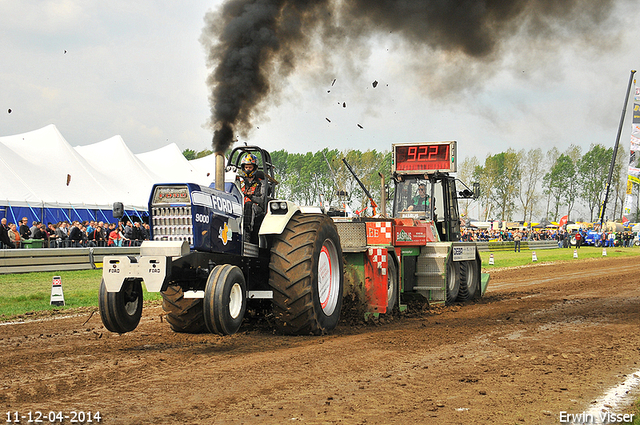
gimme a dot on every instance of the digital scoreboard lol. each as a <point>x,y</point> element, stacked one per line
<point>424,157</point>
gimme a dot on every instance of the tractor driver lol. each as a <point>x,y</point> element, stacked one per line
<point>421,200</point>
<point>254,196</point>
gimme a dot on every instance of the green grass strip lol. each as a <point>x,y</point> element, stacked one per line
<point>525,256</point>
<point>28,293</point>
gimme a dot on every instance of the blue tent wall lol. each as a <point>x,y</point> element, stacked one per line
<point>54,215</point>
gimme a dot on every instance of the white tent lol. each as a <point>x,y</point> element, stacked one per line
<point>54,173</point>
<point>128,176</point>
<point>171,166</point>
<point>205,168</point>
<point>44,177</point>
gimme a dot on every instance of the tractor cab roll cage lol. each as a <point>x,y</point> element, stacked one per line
<point>265,170</point>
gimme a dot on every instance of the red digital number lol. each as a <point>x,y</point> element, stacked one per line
<point>424,157</point>
<point>411,153</point>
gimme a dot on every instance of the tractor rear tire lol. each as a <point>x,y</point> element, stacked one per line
<point>225,300</point>
<point>469,280</point>
<point>306,276</point>
<point>183,314</point>
<point>121,311</point>
<point>453,281</point>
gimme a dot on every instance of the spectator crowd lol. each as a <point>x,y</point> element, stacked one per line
<point>77,234</point>
<point>562,236</point>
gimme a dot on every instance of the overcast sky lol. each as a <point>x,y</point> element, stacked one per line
<point>137,69</point>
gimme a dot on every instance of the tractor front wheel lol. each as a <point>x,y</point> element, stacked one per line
<point>225,299</point>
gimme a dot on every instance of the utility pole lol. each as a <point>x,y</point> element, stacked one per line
<point>615,149</point>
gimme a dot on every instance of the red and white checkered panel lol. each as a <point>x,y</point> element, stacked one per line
<point>378,257</point>
<point>379,233</point>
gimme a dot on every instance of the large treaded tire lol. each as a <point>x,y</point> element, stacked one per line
<point>183,314</point>
<point>121,311</point>
<point>469,280</point>
<point>306,300</point>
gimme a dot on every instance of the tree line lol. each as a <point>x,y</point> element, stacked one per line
<point>514,185</point>
<point>532,185</point>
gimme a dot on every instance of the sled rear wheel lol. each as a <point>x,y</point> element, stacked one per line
<point>469,280</point>
<point>452,281</point>
<point>392,284</point>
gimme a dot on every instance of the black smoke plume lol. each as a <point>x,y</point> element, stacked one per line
<point>253,45</point>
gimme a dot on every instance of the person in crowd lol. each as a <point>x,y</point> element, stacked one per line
<point>75,234</point>
<point>611,240</point>
<point>91,225</point>
<point>578,237</point>
<point>146,231</point>
<point>34,227</point>
<point>105,230</point>
<point>138,234</point>
<point>127,233</point>
<point>516,241</point>
<point>41,233</point>
<point>627,239</point>
<point>560,239</point>
<point>25,232</point>
<point>5,241</point>
<point>53,237</point>
<point>61,234</point>
<point>115,237</point>
<point>95,237</point>
<point>14,235</point>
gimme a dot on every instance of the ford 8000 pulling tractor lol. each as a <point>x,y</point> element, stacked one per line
<point>203,262</point>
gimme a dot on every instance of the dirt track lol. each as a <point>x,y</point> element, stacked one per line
<point>545,339</point>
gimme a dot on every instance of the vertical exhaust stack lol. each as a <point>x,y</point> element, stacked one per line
<point>219,171</point>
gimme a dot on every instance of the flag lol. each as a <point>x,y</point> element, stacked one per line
<point>631,202</point>
<point>563,220</point>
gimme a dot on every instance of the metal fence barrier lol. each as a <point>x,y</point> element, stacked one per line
<point>509,246</point>
<point>57,259</point>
